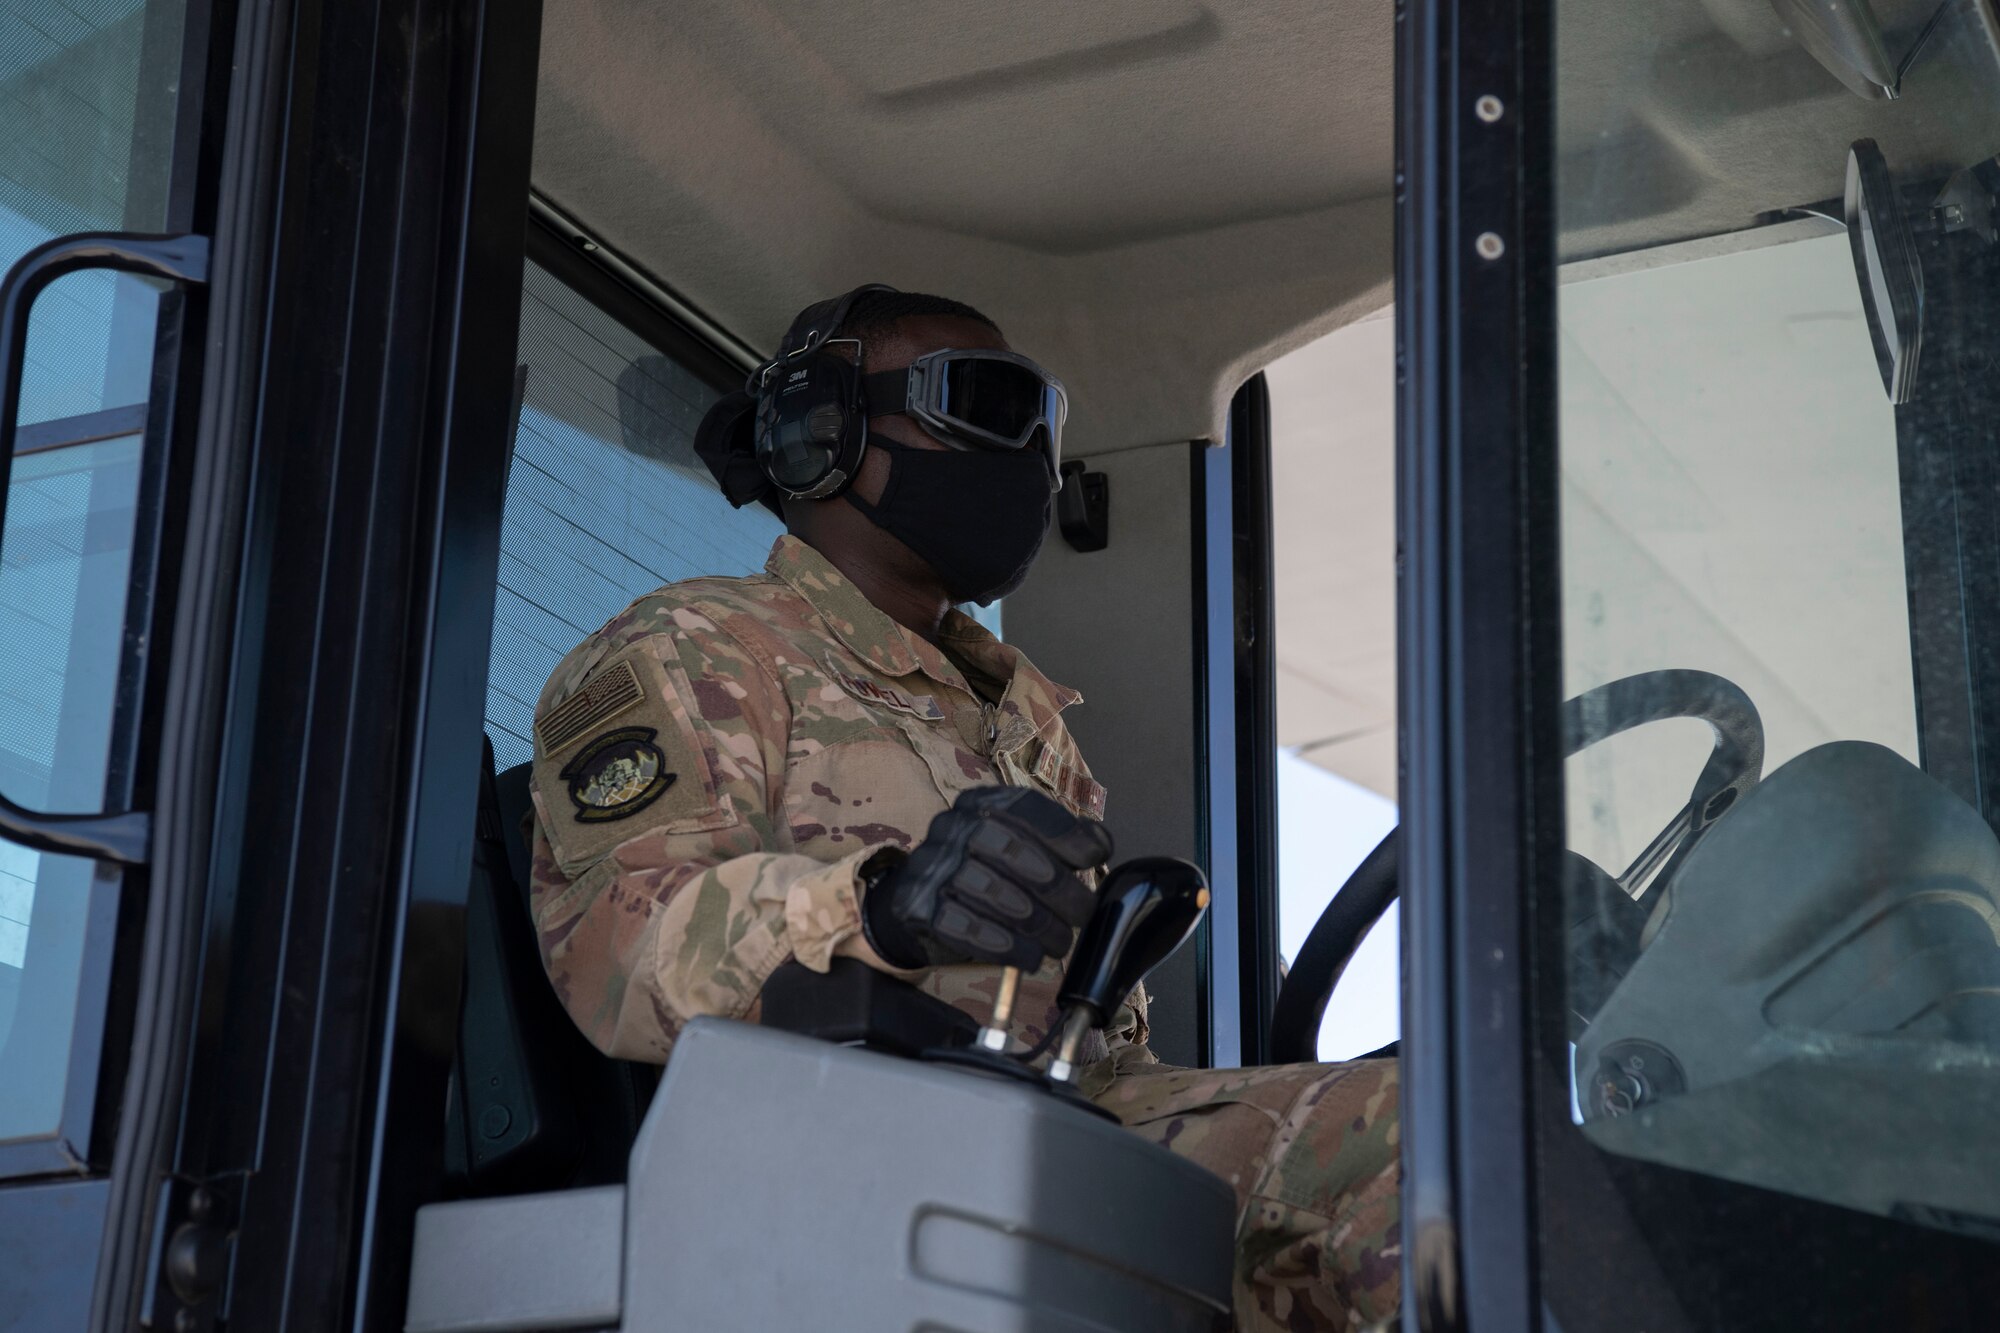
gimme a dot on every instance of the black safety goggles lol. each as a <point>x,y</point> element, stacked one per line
<point>976,399</point>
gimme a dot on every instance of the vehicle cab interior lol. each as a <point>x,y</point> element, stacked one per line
<point>353,363</point>
<point>958,167</point>
<point>663,266</point>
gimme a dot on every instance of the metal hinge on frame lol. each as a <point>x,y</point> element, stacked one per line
<point>194,1245</point>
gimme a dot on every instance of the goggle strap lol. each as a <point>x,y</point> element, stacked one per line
<point>886,392</point>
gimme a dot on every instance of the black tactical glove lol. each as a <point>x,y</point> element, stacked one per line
<point>993,881</point>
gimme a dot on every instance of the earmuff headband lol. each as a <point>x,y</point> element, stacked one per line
<point>809,332</point>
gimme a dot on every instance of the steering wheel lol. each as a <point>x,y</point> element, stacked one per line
<point>1605,917</point>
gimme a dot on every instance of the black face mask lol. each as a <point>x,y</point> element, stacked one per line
<point>977,517</point>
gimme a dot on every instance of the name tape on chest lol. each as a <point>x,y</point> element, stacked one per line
<point>887,696</point>
<point>1070,783</point>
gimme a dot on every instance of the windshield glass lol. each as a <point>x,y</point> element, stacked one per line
<point>1780,904</point>
<point>1729,503</point>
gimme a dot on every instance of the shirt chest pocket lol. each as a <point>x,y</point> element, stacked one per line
<point>883,779</point>
<point>872,784</point>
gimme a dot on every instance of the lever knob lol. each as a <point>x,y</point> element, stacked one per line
<point>1145,909</point>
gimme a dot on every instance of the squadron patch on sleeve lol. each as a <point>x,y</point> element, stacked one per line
<point>617,775</point>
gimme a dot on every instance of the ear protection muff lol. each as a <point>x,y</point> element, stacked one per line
<point>810,426</point>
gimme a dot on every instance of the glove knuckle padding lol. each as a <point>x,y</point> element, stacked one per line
<point>1084,844</point>
<point>972,932</point>
<point>986,892</point>
<point>1040,814</point>
<point>1012,903</point>
<point>1081,842</point>
<point>1007,850</point>
<point>992,879</point>
<point>970,879</point>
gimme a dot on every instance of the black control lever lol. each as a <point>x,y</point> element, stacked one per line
<point>1145,909</point>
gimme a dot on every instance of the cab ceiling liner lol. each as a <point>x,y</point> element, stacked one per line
<point>1154,200</point>
<point>1738,115</point>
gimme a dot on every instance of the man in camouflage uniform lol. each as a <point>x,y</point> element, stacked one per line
<point>720,769</point>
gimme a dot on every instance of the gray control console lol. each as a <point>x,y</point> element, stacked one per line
<point>781,1182</point>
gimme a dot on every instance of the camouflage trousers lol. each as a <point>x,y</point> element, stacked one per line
<point>1311,1151</point>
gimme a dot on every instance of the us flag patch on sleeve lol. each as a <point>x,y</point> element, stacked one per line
<point>604,697</point>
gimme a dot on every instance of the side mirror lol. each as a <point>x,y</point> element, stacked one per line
<point>1887,267</point>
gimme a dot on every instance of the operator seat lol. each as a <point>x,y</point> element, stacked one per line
<point>533,1105</point>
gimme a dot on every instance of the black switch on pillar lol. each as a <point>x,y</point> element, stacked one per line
<point>1083,507</point>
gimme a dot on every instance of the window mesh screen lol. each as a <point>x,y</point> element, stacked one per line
<point>606,500</point>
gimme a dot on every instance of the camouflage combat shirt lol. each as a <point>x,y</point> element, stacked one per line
<point>713,766</point>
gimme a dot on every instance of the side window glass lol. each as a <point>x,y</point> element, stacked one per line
<point>606,499</point>
<point>1333,451</point>
<point>89,95</point>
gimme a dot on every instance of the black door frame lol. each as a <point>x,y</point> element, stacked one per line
<point>327,691</point>
<point>1236,733</point>
<point>1479,652</point>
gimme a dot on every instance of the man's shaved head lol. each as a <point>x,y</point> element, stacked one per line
<point>874,315</point>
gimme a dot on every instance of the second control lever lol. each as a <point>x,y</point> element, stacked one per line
<point>1145,909</point>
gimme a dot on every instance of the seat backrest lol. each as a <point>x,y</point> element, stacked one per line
<point>533,1104</point>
